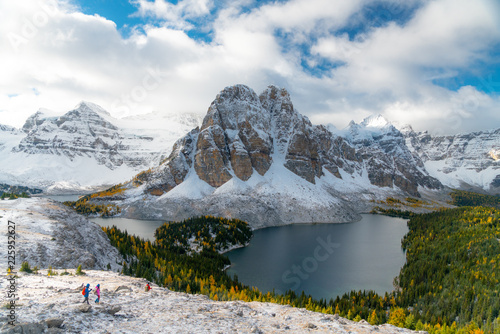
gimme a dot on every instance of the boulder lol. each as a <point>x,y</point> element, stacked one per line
<point>84,308</point>
<point>123,287</point>
<point>113,309</point>
<point>54,322</point>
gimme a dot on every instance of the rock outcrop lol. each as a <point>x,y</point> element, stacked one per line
<point>50,234</point>
<point>235,137</point>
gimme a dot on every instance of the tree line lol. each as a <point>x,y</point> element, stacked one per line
<point>87,205</point>
<point>449,283</point>
<point>468,198</point>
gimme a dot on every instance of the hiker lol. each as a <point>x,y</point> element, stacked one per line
<point>86,292</point>
<point>98,293</point>
<point>148,287</point>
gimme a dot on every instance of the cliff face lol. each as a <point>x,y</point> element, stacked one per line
<point>243,134</point>
<point>469,161</point>
<point>258,159</point>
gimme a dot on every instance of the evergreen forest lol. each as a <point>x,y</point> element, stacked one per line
<point>449,284</point>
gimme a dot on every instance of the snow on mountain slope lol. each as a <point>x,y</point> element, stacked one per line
<point>51,234</point>
<point>10,137</point>
<point>256,158</point>
<point>86,148</point>
<point>460,161</point>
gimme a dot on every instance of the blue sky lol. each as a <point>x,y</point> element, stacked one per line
<point>434,64</point>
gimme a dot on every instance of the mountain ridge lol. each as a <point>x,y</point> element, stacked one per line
<point>256,158</point>
<point>84,141</point>
<point>253,157</point>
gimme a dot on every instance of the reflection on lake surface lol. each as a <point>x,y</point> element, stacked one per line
<point>63,198</point>
<point>324,260</point>
<point>142,228</point>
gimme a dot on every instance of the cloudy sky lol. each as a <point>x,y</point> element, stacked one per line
<point>433,64</point>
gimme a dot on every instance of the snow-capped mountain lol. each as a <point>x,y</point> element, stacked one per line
<point>85,148</point>
<point>254,157</point>
<point>469,161</point>
<point>258,159</point>
<point>388,160</point>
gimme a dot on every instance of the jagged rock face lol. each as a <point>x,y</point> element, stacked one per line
<point>174,169</point>
<point>302,156</point>
<point>463,158</point>
<point>234,137</point>
<point>389,162</point>
<point>83,132</point>
<point>295,136</point>
<point>337,154</point>
<point>243,133</point>
<point>212,157</point>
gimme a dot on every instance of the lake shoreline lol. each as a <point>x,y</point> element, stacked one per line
<point>368,254</point>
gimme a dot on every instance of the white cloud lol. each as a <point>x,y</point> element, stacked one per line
<point>55,57</point>
<point>394,66</point>
<point>175,15</point>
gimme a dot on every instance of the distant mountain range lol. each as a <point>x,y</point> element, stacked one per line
<point>467,161</point>
<point>86,148</point>
<point>253,157</point>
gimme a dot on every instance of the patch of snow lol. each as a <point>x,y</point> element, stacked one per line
<point>192,187</point>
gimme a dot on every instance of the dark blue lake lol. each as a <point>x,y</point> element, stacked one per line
<point>323,260</point>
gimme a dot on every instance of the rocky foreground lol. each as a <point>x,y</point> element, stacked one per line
<point>53,304</point>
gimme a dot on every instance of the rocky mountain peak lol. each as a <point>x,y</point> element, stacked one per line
<point>234,137</point>
<point>86,106</point>
<point>276,100</point>
<point>243,134</point>
<point>86,131</point>
<point>235,105</point>
<point>90,115</point>
<point>375,121</point>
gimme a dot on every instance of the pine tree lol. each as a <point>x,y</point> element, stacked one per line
<point>373,318</point>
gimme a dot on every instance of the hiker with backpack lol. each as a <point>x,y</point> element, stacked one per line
<point>98,293</point>
<point>148,287</point>
<point>85,292</point>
